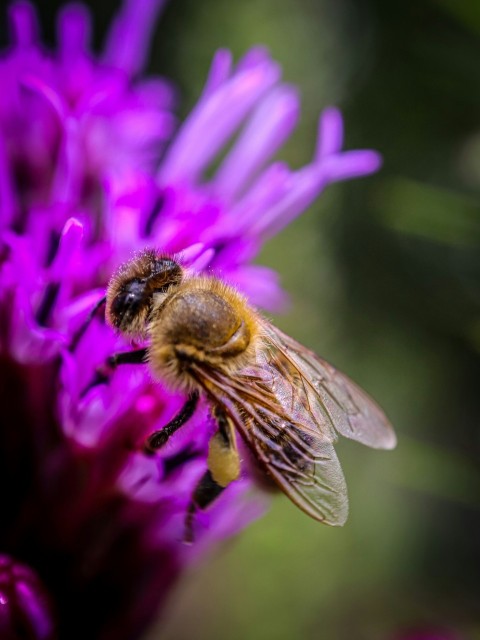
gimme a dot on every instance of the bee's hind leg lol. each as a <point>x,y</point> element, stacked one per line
<point>223,468</point>
<point>206,491</point>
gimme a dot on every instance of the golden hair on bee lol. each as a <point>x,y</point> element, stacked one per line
<point>186,318</point>
<point>203,321</point>
<point>288,405</point>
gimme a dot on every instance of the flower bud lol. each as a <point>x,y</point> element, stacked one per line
<point>25,611</point>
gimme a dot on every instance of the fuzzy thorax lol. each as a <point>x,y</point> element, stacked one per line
<point>204,322</point>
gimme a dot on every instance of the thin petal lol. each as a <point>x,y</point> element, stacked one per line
<point>203,260</point>
<point>191,253</point>
<point>23,24</point>
<point>255,56</point>
<point>304,186</point>
<point>269,189</point>
<point>73,31</point>
<point>330,133</point>
<point>351,164</point>
<point>129,38</point>
<point>213,121</point>
<point>269,127</point>
<point>67,182</point>
<point>219,71</point>
<point>70,240</point>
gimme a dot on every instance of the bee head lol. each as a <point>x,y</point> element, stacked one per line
<point>134,289</point>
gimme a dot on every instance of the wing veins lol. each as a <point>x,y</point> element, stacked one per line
<point>345,408</point>
<point>257,419</point>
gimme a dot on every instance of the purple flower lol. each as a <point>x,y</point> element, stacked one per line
<point>86,178</point>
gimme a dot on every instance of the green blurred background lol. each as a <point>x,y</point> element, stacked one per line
<point>384,277</point>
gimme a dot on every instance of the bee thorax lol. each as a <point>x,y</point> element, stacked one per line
<point>203,322</point>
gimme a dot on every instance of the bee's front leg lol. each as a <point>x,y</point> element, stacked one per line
<point>223,468</point>
<point>157,439</point>
<point>103,373</point>
<point>127,357</point>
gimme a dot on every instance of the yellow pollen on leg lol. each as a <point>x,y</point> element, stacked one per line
<point>223,461</point>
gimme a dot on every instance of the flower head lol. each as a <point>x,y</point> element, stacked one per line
<point>86,178</point>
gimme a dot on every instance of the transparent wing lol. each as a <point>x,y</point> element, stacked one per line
<point>312,390</point>
<point>290,406</point>
<point>301,461</point>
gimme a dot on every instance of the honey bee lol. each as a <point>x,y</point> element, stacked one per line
<point>288,405</point>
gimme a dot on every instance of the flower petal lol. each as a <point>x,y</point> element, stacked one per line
<point>268,128</point>
<point>219,114</point>
<point>127,43</point>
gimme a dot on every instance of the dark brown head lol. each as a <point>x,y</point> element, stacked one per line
<point>135,287</point>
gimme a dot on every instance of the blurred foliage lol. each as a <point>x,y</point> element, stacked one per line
<point>384,276</point>
<point>385,281</point>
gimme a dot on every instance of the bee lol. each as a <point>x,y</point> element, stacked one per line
<point>287,404</point>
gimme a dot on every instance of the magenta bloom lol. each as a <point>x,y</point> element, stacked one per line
<point>91,538</point>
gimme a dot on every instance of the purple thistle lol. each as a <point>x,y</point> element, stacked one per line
<point>89,173</point>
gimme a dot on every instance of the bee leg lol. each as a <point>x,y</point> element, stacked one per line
<point>223,468</point>
<point>103,373</point>
<point>157,439</point>
<point>206,491</point>
<point>77,336</point>
<point>127,357</point>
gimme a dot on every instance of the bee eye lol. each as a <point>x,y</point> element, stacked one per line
<point>130,299</point>
<point>122,301</point>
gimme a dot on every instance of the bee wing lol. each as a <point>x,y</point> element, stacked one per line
<point>319,392</point>
<point>295,454</point>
